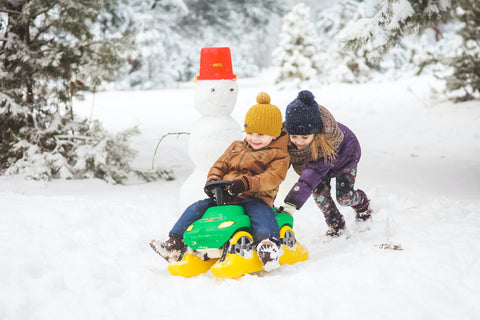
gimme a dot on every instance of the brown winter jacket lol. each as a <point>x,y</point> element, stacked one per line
<point>265,169</point>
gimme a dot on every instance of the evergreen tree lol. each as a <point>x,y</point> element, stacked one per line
<point>393,19</point>
<point>171,33</point>
<point>157,58</point>
<point>465,79</point>
<point>50,50</point>
<point>338,64</point>
<point>297,51</point>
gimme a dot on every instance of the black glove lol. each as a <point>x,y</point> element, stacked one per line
<point>239,186</point>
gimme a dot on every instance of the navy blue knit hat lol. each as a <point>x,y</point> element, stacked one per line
<point>303,117</point>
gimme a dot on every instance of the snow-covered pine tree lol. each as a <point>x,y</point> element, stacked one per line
<point>338,64</point>
<point>296,55</point>
<point>157,58</point>
<point>329,21</point>
<point>253,39</point>
<point>464,82</point>
<point>49,52</point>
<point>170,34</point>
<point>391,20</point>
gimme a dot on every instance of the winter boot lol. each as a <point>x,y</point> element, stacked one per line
<point>363,209</point>
<point>336,225</point>
<point>171,249</point>
<point>269,254</point>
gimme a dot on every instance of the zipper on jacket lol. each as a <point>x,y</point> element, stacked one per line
<point>241,159</point>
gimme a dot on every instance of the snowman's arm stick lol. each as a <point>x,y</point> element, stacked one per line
<point>178,134</point>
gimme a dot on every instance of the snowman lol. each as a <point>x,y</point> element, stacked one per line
<point>216,92</point>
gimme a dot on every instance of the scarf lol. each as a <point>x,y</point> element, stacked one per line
<point>299,158</point>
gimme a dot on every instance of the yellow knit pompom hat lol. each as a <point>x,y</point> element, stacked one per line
<point>264,118</point>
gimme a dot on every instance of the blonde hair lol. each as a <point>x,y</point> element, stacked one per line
<point>326,147</point>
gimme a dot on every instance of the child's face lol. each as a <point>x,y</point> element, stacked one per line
<point>302,141</point>
<point>259,141</point>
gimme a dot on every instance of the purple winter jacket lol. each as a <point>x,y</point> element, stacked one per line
<point>348,156</point>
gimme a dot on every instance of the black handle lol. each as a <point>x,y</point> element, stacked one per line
<point>219,188</point>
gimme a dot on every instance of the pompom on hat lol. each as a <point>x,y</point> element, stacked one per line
<point>302,116</point>
<point>264,118</point>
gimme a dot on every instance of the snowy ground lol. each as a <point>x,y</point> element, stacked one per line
<point>79,249</point>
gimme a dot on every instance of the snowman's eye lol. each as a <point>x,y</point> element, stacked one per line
<point>232,89</point>
<point>212,89</point>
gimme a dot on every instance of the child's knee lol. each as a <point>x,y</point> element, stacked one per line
<point>345,199</point>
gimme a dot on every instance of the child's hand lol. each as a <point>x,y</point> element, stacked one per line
<point>238,186</point>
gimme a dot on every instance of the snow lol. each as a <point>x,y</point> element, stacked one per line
<point>79,249</point>
<point>401,11</point>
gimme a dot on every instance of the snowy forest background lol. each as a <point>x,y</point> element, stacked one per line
<point>397,72</point>
<point>53,51</point>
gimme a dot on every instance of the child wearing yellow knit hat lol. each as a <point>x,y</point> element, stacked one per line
<point>256,166</point>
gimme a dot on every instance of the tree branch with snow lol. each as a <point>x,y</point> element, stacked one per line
<point>391,21</point>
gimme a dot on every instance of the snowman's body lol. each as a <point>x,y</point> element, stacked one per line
<point>211,134</point>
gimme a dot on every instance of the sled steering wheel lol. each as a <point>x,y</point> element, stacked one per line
<point>219,189</point>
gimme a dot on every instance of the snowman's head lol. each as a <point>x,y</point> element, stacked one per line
<point>215,97</point>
